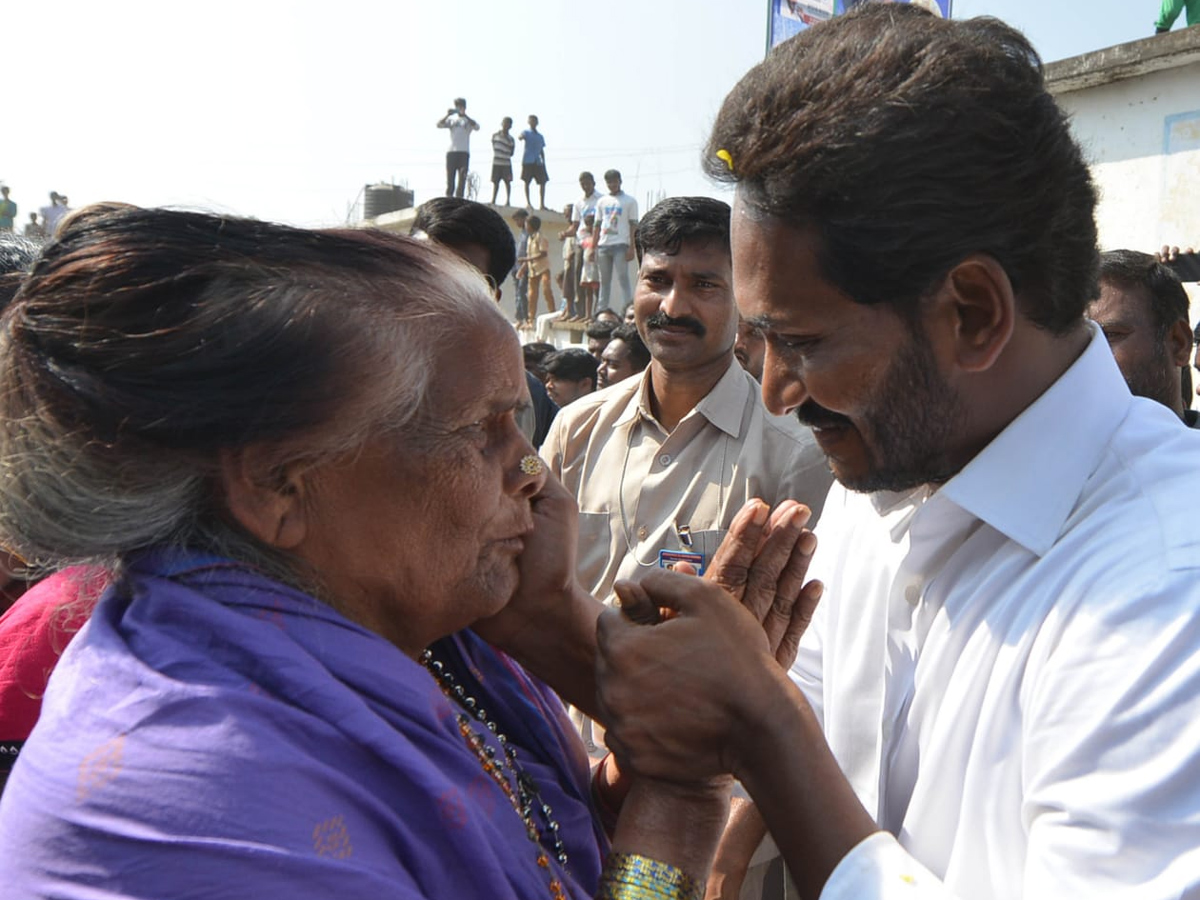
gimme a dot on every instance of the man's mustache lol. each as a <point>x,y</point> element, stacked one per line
<point>662,320</point>
<point>814,416</point>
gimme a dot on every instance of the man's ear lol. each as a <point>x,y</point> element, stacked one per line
<point>1179,343</point>
<point>267,500</point>
<point>974,312</point>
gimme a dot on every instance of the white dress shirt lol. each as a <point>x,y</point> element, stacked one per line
<point>1008,668</point>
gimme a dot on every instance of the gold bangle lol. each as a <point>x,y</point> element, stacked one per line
<point>628,876</point>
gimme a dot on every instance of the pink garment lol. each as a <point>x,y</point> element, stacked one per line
<point>33,635</point>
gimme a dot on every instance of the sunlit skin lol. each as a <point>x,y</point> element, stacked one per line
<point>821,349</point>
<point>1151,365</point>
<point>694,290</point>
<point>894,404</point>
<point>683,304</point>
<point>418,533</point>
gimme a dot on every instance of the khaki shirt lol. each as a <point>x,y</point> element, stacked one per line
<point>637,486</point>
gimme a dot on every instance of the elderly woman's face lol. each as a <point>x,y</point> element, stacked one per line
<point>418,537</point>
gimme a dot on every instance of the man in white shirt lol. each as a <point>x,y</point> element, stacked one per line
<point>616,229</point>
<point>580,210</point>
<point>458,157</point>
<point>53,214</point>
<point>998,695</point>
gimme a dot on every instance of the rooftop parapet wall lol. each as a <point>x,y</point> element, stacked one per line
<point>1129,60</point>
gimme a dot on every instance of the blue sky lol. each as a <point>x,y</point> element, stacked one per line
<point>284,110</point>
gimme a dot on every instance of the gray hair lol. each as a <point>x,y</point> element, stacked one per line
<point>146,342</point>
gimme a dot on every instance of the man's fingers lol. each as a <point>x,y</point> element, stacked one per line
<point>802,613</point>
<point>789,584</point>
<point>731,563</point>
<point>763,581</point>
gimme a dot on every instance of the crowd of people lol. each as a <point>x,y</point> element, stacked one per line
<point>597,243</point>
<point>597,248</point>
<point>458,157</point>
<point>361,597</point>
<point>41,224</point>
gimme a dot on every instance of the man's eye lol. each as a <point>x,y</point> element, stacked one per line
<point>794,342</point>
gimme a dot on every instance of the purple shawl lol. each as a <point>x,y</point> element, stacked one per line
<point>212,733</point>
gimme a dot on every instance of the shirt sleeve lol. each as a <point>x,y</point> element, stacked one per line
<point>878,868</point>
<point>554,446</point>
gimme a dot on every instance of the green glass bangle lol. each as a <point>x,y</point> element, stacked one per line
<point>628,876</point>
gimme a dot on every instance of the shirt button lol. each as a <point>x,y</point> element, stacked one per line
<point>665,459</point>
<point>642,533</point>
<point>912,594</point>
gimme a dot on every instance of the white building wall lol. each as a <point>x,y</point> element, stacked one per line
<point>1142,137</point>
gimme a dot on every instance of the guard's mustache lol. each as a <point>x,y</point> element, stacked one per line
<point>662,320</point>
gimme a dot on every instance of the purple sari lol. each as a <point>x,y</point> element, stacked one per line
<point>213,733</point>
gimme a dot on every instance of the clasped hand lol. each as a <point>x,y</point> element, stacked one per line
<point>682,697</point>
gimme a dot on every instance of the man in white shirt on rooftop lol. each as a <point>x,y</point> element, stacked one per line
<point>999,693</point>
<point>458,157</point>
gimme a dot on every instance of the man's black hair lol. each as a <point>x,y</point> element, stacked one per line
<point>535,354</point>
<point>455,222</point>
<point>678,219</point>
<point>601,331</point>
<point>572,364</point>
<point>1133,271</point>
<point>907,142</point>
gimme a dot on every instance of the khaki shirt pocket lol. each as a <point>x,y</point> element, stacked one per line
<point>595,547</point>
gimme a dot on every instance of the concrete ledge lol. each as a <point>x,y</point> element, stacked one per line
<point>1152,54</point>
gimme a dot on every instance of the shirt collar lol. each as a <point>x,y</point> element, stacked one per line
<point>1028,479</point>
<point>722,406</point>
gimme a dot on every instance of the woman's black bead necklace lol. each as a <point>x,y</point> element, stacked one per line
<point>526,798</point>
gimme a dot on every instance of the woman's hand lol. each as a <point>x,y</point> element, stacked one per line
<point>678,824</point>
<point>681,697</point>
<point>549,624</point>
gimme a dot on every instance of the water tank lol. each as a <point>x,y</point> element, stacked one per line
<point>385,198</point>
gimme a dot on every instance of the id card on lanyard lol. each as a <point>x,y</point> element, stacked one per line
<point>668,559</point>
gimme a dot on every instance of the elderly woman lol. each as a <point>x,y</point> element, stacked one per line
<point>297,455</point>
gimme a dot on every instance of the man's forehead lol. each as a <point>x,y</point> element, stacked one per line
<point>1128,304</point>
<point>615,350</point>
<point>697,257</point>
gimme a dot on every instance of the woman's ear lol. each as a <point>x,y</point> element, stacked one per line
<point>265,499</point>
<point>976,309</point>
